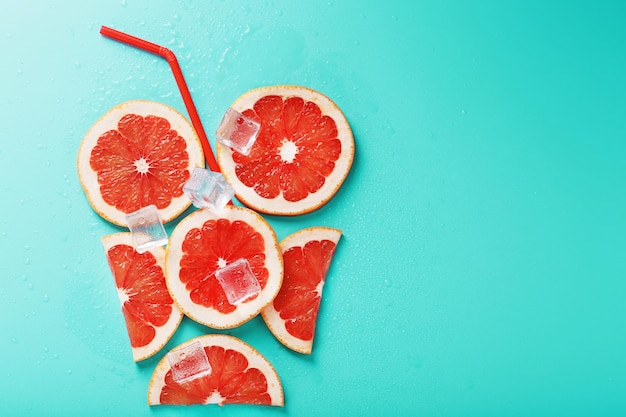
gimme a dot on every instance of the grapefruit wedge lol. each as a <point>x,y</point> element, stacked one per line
<point>292,315</point>
<point>139,153</point>
<point>302,154</point>
<point>205,242</point>
<point>239,375</point>
<point>150,313</point>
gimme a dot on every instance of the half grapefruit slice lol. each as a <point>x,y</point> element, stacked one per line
<point>139,153</point>
<point>206,241</point>
<point>302,154</point>
<point>151,315</point>
<point>239,375</point>
<point>292,316</point>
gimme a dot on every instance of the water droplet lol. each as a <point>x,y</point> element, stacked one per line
<point>462,111</point>
<point>46,298</point>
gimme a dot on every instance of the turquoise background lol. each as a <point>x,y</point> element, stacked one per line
<point>482,269</point>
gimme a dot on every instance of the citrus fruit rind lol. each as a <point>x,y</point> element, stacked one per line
<point>292,315</point>
<point>239,375</point>
<point>301,157</point>
<point>150,314</point>
<point>206,241</point>
<point>137,154</point>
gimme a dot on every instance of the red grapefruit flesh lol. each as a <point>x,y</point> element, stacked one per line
<point>292,315</point>
<point>150,313</point>
<point>301,157</point>
<point>206,241</point>
<point>138,154</point>
<point>239,375</point>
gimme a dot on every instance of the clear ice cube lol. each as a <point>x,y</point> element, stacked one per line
<point>208,189</point>
<point>238,131</point>
<point>238,281</point>
<point>146,228</point>
<point>189,362</point>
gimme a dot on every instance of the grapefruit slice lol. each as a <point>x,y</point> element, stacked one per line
<point>302,154</point>
<point>150,313</point>
<point>139,153</point>
<point>239,375</point>
<point>292,316</point>
<point>206,241</point>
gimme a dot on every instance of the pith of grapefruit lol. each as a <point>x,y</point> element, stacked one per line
<point>292,315</point>
<point>302,154</point>
<point>150,313</point>
<point>206,241</point>
<point>239,375</point>
<point>139,153</point>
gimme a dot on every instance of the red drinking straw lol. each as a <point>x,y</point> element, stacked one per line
<point>180,80</point>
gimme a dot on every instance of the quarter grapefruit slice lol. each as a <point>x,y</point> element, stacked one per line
<point>206,241</point>
<point>292,316</point>
<point>151,315</point>
<point>239,375</point>
<point>302,154</point>
<point>139,153</point>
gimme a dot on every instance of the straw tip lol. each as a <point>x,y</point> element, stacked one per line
<point>105,30</point>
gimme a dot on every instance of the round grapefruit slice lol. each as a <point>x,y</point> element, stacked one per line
<point>302,154</point>
<point>205,242</point>
<point>239,374</point>
<point>139,153</point>
<point>150,313</point>
<point>292,316</point>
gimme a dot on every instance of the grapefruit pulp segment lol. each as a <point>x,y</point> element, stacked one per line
<point>239,375</point>
<point>302,155</point>
<point>206,241</point>
<point>292,315</point>
<point>150,314</point>
<point>139,153</point>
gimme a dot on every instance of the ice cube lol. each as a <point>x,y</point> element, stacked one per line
<point>189,362</point>
<point>238,131</point>
<point>146,228</point>
<point>208,189</point>
<point>238,281</point>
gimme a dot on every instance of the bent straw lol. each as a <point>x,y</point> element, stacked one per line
<point>180,80</point>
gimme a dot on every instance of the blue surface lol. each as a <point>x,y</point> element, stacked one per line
<point>482,268</point>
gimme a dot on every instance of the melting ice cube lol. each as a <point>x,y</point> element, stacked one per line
<point>208,189</point>
<point>189,362</point>
<point>238,131</point>
<point>238,281</point>
<point>146,228</point>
